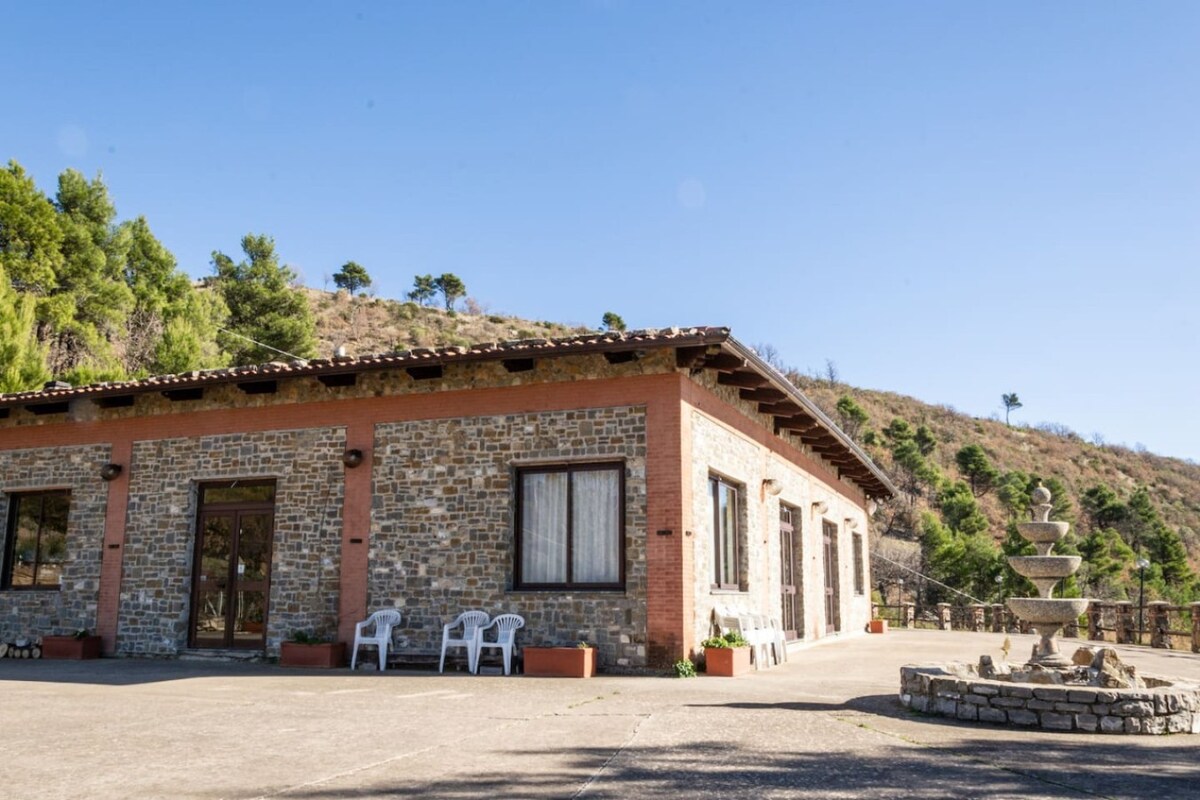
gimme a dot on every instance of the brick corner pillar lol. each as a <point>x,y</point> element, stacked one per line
<point>356,531</point>
<point>112,552</point>
<point>670,576</point>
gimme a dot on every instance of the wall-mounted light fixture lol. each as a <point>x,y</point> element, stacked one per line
<point>772,486</point>
<point>110,471</point>
<point>851,524</point>
<point>352,458</point>
<point>872,507</point>
<point>820,507</point>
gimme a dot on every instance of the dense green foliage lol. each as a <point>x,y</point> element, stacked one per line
<point>86,297</point>
<point>268,315</point>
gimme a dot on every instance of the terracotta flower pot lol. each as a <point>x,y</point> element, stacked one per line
<point>726,662</point>
<point>326,655</point>
<point>70,647</point>
<point>560,662</point>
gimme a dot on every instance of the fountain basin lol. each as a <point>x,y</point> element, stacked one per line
<point>1046,610</point>
<point>1045,566</point>
<point>1043,531</point>
<point>957,691</point>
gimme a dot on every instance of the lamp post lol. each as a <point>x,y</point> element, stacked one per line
<point>1000,586</point>
<point>900,591</point>
<point>1141,565</point>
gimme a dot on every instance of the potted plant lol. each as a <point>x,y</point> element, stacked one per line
<point>726,656</point>
<point>877,626</point>
<point>79,645</point>
<point>561,662</point>
<point>305,649</point>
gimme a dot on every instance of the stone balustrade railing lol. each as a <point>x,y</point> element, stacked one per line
<point>1158,623</point>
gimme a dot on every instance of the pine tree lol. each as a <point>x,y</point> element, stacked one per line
<point>22,359</point>
<point>352,277</point>
<point>264,306</point>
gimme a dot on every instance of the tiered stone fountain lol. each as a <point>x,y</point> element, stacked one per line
<point>1045,614</point>
<point>1093,692</point>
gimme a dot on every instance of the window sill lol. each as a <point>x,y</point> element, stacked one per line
<point>572,590</point>
<point>718,590</point>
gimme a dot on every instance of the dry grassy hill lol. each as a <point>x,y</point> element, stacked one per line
<point>1049,450</point>
<point>368,325</point>
<point>374,325</point>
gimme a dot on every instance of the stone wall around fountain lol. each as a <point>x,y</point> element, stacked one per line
<point>958,692</point>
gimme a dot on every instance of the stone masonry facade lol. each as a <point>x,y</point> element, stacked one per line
<point>160,531</point>
<point>719,450</point>
<point>442,526</point>
<point>33,613</point>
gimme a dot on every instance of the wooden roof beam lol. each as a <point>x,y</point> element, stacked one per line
<point>745,380</point>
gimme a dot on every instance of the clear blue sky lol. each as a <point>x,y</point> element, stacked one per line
<point>949,200</point>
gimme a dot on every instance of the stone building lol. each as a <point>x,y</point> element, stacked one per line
<point>609,487</point>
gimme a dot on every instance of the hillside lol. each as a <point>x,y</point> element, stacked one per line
<point>1119,501</point>
<point>1050,451</point>
<point>367,325</point>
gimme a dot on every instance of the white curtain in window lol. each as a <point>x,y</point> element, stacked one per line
<point>544,527</point>
<point>596,520</point>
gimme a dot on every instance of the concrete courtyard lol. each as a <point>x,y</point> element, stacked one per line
<point>825,725</point>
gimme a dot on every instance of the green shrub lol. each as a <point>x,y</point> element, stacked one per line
<point>684,668</point>
<point>731,639</point>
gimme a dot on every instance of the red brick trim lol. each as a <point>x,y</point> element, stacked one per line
<point>112,554</point>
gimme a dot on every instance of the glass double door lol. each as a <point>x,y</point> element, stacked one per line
<point>232,574</point>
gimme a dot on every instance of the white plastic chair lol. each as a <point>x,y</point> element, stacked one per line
<point>781,653</point>
<point>506,626</point>
<point>382,623</point>
<point>471,622</point>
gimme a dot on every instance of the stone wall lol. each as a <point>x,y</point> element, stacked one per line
<point>442,526</point>
<point>719,449</point>
<point>29,614</point>
<point>1166,709</point>
<point>160,532</point>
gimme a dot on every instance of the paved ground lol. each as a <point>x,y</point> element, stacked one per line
<point>824,725</point>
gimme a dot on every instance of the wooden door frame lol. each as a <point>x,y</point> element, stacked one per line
<point>236,510</point>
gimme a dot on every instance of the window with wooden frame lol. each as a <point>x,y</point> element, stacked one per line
<point>570,527</point>
<point>36,541</point>
<point>726,533</point>
<point>860,566</point>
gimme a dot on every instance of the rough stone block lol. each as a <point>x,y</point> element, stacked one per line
<point>1072,708</point>
<point>946,707</point>
<point>1102,709</point>
<point>1057,722</point>
<point>1106,697</point>
<point>1087,722</point>
<point>1018,716</point>
<point>1133,708</point>
<point>1017,691</point>
<point>1081,696</point>
<point>992,715</point>
<point>1133,725</point>
<point>1180,723</point>
<point>1053,695</point>
<point>1039,705</point>
<point>975,700</point>
<point>1154,725</point>
<point>1112,724</point>
<point>1008,702</point>
<point>987,690</point>
<point>967,712</point>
